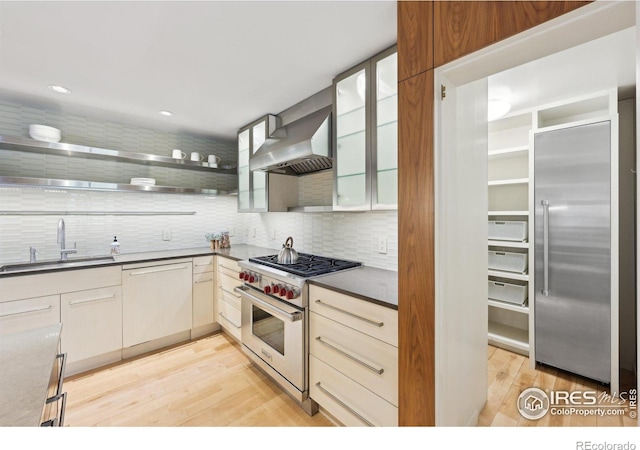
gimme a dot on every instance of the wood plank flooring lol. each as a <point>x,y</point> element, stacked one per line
<point>510,374</point>
<point>209,382</point>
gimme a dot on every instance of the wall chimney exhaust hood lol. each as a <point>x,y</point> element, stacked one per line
<point>300,147</point>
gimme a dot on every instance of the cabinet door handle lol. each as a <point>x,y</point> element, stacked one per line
<point>364,319</point>
<point>163,269</point>
<point>27,311</point>
<point>227,319</point>
<point>337,349</point>
<point>93,299</point>
<point>343,404</point>
<point>204,281</point>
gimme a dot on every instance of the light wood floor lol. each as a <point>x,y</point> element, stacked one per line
<point>210,382</point>
<point>509,375</point>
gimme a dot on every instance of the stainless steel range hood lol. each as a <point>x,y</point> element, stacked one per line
<point>301,147</point>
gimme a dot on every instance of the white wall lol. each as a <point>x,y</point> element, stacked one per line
<point>342,235</point>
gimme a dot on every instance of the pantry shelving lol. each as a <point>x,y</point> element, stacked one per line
<point>508,185</point>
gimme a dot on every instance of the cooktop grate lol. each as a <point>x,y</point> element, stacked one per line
<point>307,265</point>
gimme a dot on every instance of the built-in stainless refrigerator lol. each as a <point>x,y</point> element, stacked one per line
<point>572,223</point>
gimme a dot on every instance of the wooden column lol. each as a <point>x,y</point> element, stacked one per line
<point>431,34</point>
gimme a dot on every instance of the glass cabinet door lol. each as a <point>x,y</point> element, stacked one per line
<point>244,187</point>
<point>351,117</point>
<point>258,178</point>
<point>385,133</point>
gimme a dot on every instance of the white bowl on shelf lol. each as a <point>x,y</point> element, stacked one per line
<point>44,133</point>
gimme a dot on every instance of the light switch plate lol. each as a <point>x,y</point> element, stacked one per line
<point>166,235</point>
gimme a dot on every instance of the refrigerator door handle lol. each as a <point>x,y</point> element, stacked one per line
<point>545,245</point>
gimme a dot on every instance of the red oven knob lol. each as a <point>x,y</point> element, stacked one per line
<point>283,291</point>
<point>267,289</point>
<point>241,276</point>
<point>250,278</point>
<point>275,289</point>
<point>291,295</point>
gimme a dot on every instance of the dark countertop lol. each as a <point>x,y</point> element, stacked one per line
<point>27,361</point>
<point>367,283</point>
<point>237,252</point>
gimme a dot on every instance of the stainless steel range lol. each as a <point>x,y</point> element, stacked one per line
<point>275,317</point>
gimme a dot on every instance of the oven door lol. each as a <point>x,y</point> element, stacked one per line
<point>274,331</point>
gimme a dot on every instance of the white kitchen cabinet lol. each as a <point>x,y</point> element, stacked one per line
<point>157,300</point>
<point>228,305</point>
<point>92,322</point>
<point>365,120</point>
<point>203,291</point>
<point>353,363</point>
<point>28,314</point>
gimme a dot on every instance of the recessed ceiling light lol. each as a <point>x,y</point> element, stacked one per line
<point>166,113</point>
<point>59,89</point>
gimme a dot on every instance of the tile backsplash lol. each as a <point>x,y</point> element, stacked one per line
<point>138,219</point>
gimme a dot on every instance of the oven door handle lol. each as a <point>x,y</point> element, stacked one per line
<point>293,317</point>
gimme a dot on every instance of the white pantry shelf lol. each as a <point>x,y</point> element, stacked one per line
<point>508,213</point>
<point>510,244</point>
<point>505,152</point>
<point>512,338</point>
<point>509,275</point>
<point>509,306</point>
<point>509,182</point>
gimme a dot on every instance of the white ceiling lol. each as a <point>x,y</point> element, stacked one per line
<point>217,65</point>
<point>604,63</point>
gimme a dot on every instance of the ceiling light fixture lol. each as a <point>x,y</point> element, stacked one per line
<point>59,89</point>
<point>166,113</point>
<point>497,108</point>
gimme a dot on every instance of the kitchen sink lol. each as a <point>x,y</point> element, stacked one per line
<point>57,263</point>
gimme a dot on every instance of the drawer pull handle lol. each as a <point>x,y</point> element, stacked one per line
<point>227,319</point>
<point>337,349</point>
<point>203,265</point>
<point>204,281</point>
<point>364,319</point>
<point>27,311</point>
<point>164,269</point>
<point>343,404</point>
<point>94,299</point>
<point>229,292</point>
<point>59,394</point>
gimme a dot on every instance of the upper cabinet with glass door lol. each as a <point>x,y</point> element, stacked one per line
<point>366,135</point>
<point>253,185</point>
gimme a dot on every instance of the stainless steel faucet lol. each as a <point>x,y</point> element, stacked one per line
<point>62,241</point>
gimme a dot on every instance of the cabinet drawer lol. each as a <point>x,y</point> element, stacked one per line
<point>226,284</point>
<point>368,361</point>
<point>369,318</point>
<point>203,299</point>
<point>229,318</point>
<point>232,299</point>
<point>346,400</point>
<point>203,264</point>
<point>23,315</point>
<point>92,322</point>
<point>228,267</point>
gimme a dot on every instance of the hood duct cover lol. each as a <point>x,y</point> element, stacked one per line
<point>305,146</point>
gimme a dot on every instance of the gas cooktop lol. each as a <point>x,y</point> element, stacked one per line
<point>307,265</point>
